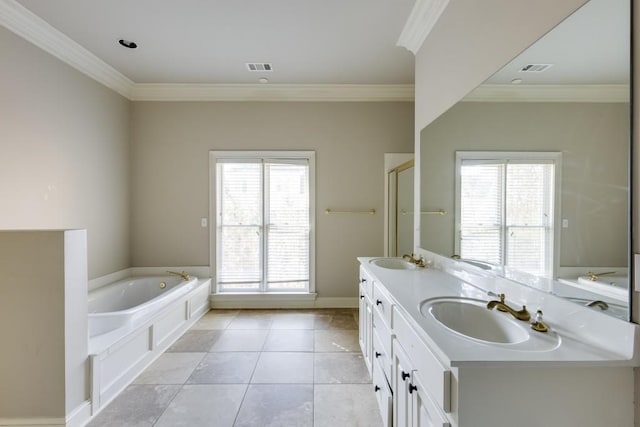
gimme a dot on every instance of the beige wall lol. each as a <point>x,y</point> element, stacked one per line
<point>64,143</point>
<point>170,190</point>
<point>43,362</point>
<point>594,141</point>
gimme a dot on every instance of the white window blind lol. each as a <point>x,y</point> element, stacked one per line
<point>263,238</point>
<point>506,213</point>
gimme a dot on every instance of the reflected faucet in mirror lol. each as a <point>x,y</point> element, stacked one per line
<point>595,276</point>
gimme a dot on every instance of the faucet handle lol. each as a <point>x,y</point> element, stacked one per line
<point>538,325</point>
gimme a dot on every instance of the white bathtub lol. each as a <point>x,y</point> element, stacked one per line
<point>133,321</point>
<point>127,302</point>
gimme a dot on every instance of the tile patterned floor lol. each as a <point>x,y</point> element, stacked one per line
<point>250,368</point>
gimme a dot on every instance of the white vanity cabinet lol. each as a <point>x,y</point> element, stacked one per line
<point>365,319</point>
<point>425,376</point>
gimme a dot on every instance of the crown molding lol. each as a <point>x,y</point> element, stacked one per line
<point>26,24</point>
<point>272,92</point>
<point>422,19</point>
<point>549,93</point>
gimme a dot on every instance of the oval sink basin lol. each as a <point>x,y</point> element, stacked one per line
<point>471,318</point>
<point>393,263</point>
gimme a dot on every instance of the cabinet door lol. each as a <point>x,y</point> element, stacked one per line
<point>401,378</point>
<point>365,325</point>
<point>424,411</point>
<point>383,394</point>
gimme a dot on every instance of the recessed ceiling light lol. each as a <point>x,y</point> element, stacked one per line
<point>263,80</point>
<point>516,81</point>
<point>127,44</point>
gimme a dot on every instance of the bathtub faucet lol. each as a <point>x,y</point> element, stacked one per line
<point>184,275</point>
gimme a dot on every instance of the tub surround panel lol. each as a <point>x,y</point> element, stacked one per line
<point>119,356</point>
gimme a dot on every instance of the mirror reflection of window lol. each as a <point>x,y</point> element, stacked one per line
<point>505,212</point>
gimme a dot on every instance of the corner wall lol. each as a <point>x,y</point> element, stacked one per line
<point>64,141</point>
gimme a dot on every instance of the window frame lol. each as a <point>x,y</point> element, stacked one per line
<point>554,157</point>
<point>216,156</point>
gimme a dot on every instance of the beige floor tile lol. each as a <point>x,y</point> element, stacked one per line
<point>204,405</point>
<point>225,368</point>
<point>170,368</point>
<point>336,340</point>
<point>139,405</point>
<point>277,405</point>
<point>340,368</point>
<point>289,340</point>
<point>352,405</point>
<point>284,367</point>
<point>240,340</point>
<point>195,340</point>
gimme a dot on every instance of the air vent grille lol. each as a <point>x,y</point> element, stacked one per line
<point>535,68</point>
<point>259,66</point>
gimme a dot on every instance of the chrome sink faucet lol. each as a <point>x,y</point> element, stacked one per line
<point>522,314</point>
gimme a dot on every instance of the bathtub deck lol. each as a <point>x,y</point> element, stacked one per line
<point>254,368</point>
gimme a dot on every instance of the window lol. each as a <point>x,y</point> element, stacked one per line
<point>505,212</point>
<point>263,214</point>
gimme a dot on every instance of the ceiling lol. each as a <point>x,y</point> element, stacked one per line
<point>210,41</point>
<point>590,47</point>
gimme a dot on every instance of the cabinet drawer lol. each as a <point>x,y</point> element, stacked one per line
<point>383,394</point>
<point>381,356</point>
<point>366,282</point>
<point>436,378</point>
<point>382,304</point>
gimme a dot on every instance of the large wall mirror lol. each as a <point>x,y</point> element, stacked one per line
<point>528,176</point>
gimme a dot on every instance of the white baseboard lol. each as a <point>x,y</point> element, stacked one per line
<point>337,302</point>
<point>35,422</point>
<point>280,301</point>
<point>80,416</point>
<point>77,418</point>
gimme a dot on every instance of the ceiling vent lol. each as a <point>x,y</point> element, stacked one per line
<point>259,66</point>
<point>535,68</point>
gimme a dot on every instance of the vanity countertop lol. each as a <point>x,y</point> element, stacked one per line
<point>587,338</point>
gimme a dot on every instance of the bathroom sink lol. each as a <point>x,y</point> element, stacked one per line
<point>393,263</point>
<point>471,318</point>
